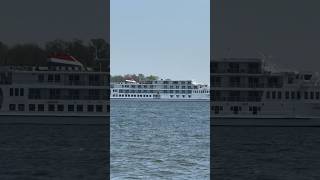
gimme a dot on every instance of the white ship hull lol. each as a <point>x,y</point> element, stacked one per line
<point>146,99</point>
<point>270,114</point>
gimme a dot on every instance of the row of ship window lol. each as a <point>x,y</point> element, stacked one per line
<point>151,91</point>
<point>53,107</point>
<point>164,87</point>
<point>35,93</point>
<point>161,91</point>
<point>147,95</point>
<point>292,95</point>
<point>72,77</point>
<point>16,92</point>
<point>172,82</point>
<point>132,95</point>
<point>236,109</point>
<point>202,91</point>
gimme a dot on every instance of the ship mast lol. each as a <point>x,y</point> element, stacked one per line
<point>264,57</point>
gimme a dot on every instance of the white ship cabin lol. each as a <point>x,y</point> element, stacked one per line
<point>56,90</point>
<point>159,89</point>
<point>248,87</point>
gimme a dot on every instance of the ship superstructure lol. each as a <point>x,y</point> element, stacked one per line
<point>160,90</point>
<point>58,90</point>
<point>244,88</point>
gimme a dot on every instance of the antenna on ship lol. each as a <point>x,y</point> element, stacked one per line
<point>96,58</point>
<point>264,58</point>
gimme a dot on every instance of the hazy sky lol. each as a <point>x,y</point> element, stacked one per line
<point>168,38</point>
<point>38,21</point>
<point>287,30</point>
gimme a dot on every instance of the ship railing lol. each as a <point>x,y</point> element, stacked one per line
<point>234,85</point>
<point>236,99</point>
<point>254,71</point>
<point>77,83</point>
<point>256,85</point>
<point>236,71</point>
<point>237,85</point>
<point>217,85</point>
<point>274,86</point>
<point>65,83</point>
<point>244,85</point>
<point>70,97</point>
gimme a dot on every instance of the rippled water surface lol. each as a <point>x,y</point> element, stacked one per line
<point>266,153</point>
<point>41,152</point>
<point>160,140</point>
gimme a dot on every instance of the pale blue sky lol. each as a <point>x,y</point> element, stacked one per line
<point>168,38</point>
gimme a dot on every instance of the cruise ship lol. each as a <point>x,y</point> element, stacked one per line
<point>160,90</point>
<point>63,92</point>
<point>245,91</point>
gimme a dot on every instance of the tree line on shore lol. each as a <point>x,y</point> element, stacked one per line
<point>32,54</point>
<point>135,77</point>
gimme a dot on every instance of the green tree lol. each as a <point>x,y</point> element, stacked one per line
<point>117,78</point>
<point>56,46</point>
<point>152,78</point>
<point>26,54</point>
<point>138,78</point>
<point>3,53</point>
<point>141,77</point>
<point>32,54</point>
<point>94,54</point>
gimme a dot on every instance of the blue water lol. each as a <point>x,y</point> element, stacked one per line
<point>266,153</point>
<point>160,140</point>
<point>43,152</point>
